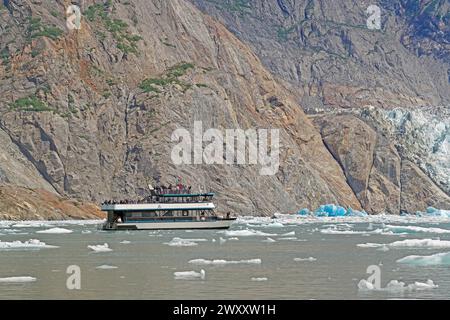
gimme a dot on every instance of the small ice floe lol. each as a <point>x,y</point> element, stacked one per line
<point>434,259</point>
<point>383,248</point>
<point>410,243</point>
<point>30,224</point>
<point>289,234</point>
<point>106,267</point>
<point>224,262</point>
<point>100,248</point>
<point>259,279</point>
<point>30,244</point>
<point>310,259</point>
<point>397,286</point>
<point>17,279</point>
<point>55,231</point>
<point>86,231</point>
<point>416,229</point>
<point>222,240</point>
<point>269,240</point>
<point>213,240</point>
<point>190,275</point>
<point>288,238</point>
<point>268,225</point>
<point>247,233</point>
<point>125,242</point>
<point>233,239</point>
<point>179,242</point>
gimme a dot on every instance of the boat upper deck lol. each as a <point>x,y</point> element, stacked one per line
<point>169,201</point>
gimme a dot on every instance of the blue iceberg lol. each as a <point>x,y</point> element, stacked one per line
<point>332,210</point>
<point>437,212</point>
<point>304,212</point>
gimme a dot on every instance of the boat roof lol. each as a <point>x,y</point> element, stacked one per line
<point>183,195</point>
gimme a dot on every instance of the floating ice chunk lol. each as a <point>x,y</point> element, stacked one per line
<point>222,240</point>
<point>178,242</point>
<point>17,279</point>
<point>100,248</point>
<point>424,286</point>
<point>30,244</point>
<point>55,231</point>
<point>365,285</point>
<point>434,259</point>
<point>247,233</point>
<point>303,212</point>
<point>106,267</point>
<point>421,243</point>
<point>269,240</point>
<point>233,239</point>
<point>369,245</point>
<point>288,234</point>
<point>410,243</point>
<point>310,259</point>
<point>190,275</point>
<point>30,224</point>
<point>288,238</point>
<point>409,229</point>
<point>125,242</point>
<point>268,225</point>
<point>213,240</point>
<point>260,279</point>
<point>437,213</point>
<point>86,231</point>
<point>383,248</point>
<point>224,262</point>
<point>330,210</point>
<point>397,286</point>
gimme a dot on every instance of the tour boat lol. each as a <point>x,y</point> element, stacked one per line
<point>166,211</point>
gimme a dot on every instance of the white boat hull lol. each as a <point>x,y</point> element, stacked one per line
<point>219,224</point>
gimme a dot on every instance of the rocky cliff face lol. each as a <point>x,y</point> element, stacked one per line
<point>89,113</point>
<point>326,49</point>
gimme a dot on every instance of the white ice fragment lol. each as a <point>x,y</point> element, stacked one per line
<point>224,262</point>
<point>55,231</point>
<point>259,279</point>
<point>30,244</point>
<point>310,259</point>
<point>190,275</point>
<point>106,267</point>
<point>434,259</point>
<point>17,279</point>
<point>100,248</point>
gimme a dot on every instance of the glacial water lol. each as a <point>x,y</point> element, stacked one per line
<point>258,258</point>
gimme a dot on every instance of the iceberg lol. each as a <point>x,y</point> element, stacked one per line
<point>224,262</point>
<point>304,212</point>
<point>410,243</point>
<point>396,286</point>
<point>190,275</point>
<point>409,229</point>
<point>106,267</point>
<point>310,259</point>
<point>247,233</point>
<point>17,279</point>
<point>30,244</point>
<point>178,242</point>
<point>55,231</point>
<point>259,279</point>
<point>435,259</point>
<point>332,210</point>
<point>100,248</point>
<point>437,213</point>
